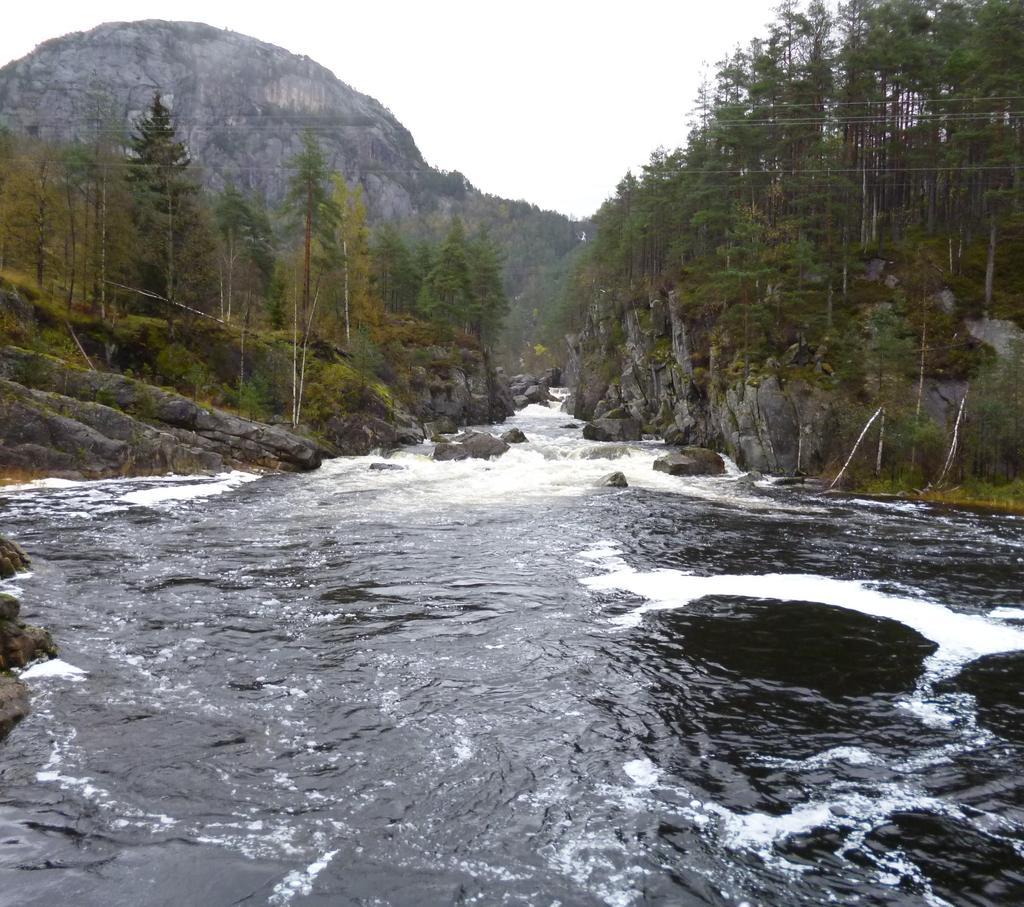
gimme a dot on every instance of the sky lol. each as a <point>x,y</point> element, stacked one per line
<point>551,102</point>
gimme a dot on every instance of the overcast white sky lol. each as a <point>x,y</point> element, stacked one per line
<point>547,101</point>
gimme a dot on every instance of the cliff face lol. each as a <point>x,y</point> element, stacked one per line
<point>240,104</point>
<point>640,364</point>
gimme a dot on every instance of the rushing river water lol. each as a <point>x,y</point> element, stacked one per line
<point>494,682</point>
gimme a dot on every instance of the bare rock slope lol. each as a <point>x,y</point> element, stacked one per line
<point>239,103</point>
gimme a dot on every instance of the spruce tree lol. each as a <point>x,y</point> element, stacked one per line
<point>173,231</point>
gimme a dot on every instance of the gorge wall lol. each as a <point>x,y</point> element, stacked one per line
<point>648,363</point>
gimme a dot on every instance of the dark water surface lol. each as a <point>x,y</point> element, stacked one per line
<point>478,683</point>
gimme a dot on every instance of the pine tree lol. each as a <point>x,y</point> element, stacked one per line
<point>172,228</point>
<point>309,198</point>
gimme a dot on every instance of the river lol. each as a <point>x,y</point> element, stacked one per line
<point>494,682</point>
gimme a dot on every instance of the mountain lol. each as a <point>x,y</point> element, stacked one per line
<point>239,103</point>
<point>242,105</point>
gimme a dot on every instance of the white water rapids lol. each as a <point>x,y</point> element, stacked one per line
<point>496,681</point>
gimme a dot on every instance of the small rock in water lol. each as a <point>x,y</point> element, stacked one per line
<point>613,480</point>
<point>571,425</point>
<point>386,467</point>
<point>514,436</point>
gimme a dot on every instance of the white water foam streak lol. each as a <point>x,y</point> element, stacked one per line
<point>960,637</point>
<point>188,492</point>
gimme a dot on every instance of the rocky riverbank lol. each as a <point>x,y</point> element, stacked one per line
<point>56,420</point>
<point>59,418</point>
<point>20,643</point>
<point>640,372</point>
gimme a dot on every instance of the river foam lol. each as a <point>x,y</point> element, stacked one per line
<point>190,491</point>
<point>960,637</point>
<point>55,668</point>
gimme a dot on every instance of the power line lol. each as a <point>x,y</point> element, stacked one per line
<point>963,99</point>
<point>425,170</point>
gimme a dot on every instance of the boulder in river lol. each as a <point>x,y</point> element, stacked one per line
<point>626,429</point>
<point>571,425</point>
<point>613,480</point>
<point>14,703</point>
<point>475,445</point>
<point>514,436</point>
<point>12,558</point>
<point>691,461</point>
<point>447,450</point>
<point>536,393</point>
<point>386,467</point>
<point>358,434</point>
<point>19,642</point>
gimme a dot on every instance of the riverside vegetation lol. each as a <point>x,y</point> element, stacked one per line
<point>122,261</point>
<point>842,235</point>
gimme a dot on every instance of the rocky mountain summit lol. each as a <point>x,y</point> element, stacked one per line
<point>239,103</point>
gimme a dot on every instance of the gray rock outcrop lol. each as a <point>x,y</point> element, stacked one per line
<point>58,427</point>
<point>613,480</point>
<point>647,367</point>
<point>444,396</point>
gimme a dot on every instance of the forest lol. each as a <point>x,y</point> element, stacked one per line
<point>120,231</point>
<point>879,134</point>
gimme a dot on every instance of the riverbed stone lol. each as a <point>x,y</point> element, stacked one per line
<point>613,480</point>
<point>387,467</point>
<point>691,461</point>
